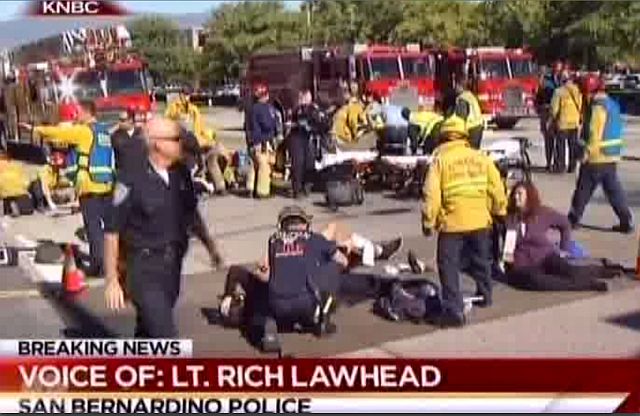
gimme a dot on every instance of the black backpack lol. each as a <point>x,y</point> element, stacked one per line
<point>342,186</point>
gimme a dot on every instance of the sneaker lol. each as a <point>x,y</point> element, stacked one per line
<point>575,224</point>
<point>484,302</point>
<point>452,320</point>
<point>389,249</point>
<point>600,286</point>
<point>382,307</point>
<point>270,342</point>
<point>623,228</point>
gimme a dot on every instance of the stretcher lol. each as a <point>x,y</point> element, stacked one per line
<point>406,172</point>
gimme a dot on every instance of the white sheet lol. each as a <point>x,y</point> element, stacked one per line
<point>360,156</point>
<point>496,150</point>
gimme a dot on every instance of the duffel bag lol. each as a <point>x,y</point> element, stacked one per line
<point>344,193</point>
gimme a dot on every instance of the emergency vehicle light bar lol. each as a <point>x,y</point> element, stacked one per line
<point>486,49</point>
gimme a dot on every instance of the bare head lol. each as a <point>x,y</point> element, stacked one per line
<point>88,112</point>
<point>163,136</point>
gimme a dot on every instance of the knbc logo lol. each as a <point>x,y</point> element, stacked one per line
<point>75,8</point>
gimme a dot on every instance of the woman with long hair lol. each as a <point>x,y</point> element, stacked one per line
<point>537,263</point>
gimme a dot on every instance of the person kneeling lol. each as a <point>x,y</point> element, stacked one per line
<point>295,286</point>
<point>14,188</point>
<point>536,263</point>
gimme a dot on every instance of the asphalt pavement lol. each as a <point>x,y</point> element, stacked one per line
<point>520,323</point>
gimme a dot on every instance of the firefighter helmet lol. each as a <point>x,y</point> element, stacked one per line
<point>293,212</point>
<point>68,112</point>
<point>592,84</point>
<point>453,127</point>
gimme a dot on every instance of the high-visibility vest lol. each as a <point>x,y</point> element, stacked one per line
<point>475,112</point>
<point>427,120</point>
<point>99,163</point>
<point>612,142</point>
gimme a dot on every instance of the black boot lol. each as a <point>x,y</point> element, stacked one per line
<point>389,249</point>
<point>270,342</point>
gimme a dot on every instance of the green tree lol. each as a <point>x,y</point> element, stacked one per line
<point>235,31</point>
<point>160,42</point>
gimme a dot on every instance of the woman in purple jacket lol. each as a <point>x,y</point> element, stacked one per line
<point>537,263</point>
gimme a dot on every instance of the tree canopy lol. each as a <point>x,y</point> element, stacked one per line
<point>587,33</point>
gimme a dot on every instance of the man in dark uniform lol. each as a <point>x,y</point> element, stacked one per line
<point>300,143</point>
<point>153,209</point>
<point>128,144</point>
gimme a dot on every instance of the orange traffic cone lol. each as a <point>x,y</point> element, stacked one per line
<point>73,279</point>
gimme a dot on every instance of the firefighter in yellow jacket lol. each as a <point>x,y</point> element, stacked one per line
<point>463,191</point>
<point>213,152</point>
<point>92,171</point>
<point>14,185</point>
<point>424,123</point>
<point>350,121</point>
<point>468,108</point>
<point>566,112</point>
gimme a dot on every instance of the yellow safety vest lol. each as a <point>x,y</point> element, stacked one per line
<point>427,120</point>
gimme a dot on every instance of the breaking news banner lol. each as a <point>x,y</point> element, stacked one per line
<point>74,8</point>
<point>156,376</point>
<point>94,348</point>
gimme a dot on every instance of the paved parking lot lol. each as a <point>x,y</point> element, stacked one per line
<point>521,323</point>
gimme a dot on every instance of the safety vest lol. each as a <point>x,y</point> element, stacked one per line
<point>99,163</point>
<point>475,112</point>
<point>427,120</point>
<point>612,141</point>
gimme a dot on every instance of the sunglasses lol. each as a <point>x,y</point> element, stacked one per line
<point>168,139</point>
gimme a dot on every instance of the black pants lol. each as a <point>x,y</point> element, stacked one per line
<point>94,211</point>
<point>566,139</point>
<point>605,174</point>
<point>300,161</point>
<point>37,194</point>
<point>154,286</point>
<point>19,205</point>
<point>549,135</point>
<point>394,140</point>
<point>350,289</point>
<point>557,274</point>
<point>475,136</point>
<point>477,246</point>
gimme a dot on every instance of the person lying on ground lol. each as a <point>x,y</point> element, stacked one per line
<point>298,258</point>
<point>536,263</point>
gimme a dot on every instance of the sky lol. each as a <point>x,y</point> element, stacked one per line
<point>13,9</point>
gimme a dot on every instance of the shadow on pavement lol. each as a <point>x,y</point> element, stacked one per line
<point>630,320</point>
<point>80,321</point>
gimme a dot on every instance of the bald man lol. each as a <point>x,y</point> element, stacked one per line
<point>154,208</point>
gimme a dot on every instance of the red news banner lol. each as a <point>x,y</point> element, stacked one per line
<point>302,385</point>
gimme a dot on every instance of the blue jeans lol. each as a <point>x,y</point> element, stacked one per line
<point>592,175</point>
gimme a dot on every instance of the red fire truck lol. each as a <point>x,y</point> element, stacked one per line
<point>505,82</point>
<point>57,71</point>
<point>327,72</point>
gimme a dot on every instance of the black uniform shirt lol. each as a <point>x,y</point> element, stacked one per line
<point>129,150</point>
<point>148,213</point>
